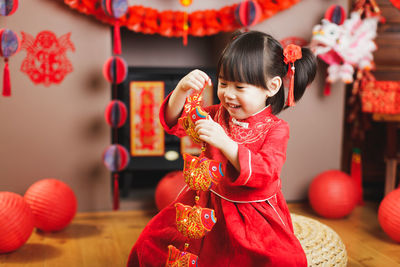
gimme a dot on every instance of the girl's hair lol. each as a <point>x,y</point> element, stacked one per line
<point>255,57</point>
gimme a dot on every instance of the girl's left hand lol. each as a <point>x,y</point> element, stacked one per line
<point>212,133</point>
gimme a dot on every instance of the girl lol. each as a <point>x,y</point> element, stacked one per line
<point>253,225</point>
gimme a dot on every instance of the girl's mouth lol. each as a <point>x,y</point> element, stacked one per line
<point>233,106</point>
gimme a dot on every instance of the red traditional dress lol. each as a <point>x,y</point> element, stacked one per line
<point>253,226</point>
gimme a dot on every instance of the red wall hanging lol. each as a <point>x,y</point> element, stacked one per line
<point>9,45</point>
<point>46,61</point>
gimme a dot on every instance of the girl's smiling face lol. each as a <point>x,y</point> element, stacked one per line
<point>241,100</point>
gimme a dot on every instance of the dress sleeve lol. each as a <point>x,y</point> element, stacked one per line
<point>262,168</point>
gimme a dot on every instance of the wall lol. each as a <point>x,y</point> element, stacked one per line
<point>316,122</point>
<point>58,131</point>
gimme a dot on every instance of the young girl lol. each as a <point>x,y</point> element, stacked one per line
<point>253,225</point>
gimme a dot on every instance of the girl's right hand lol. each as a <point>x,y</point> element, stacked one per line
<point>195,80</point>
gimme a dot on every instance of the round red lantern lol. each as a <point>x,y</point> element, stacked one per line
<point>332,194</point>
<point>168,188</point>
<point>8,7</point>
<point>247,13</point>
<point>116,158</point>
<point>115,70</point>
<point>116,113</point>
<point>9,45</point>
<point>389,215</point>
<point>53,204</point>
<point>16,221</point>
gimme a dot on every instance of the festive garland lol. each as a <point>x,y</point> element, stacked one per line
<point>169,23</point>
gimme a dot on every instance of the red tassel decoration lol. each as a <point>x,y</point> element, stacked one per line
<point>327,88</point>
<point>6,80</point>
<point>117,39</point>
<point>290,99</point>
<point>116,192</point>
<point>185,28</point>
<point>356,174</point>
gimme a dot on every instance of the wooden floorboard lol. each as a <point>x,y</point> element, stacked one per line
<point>105,239</point>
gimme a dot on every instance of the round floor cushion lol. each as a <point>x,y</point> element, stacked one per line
<point>322,245</point>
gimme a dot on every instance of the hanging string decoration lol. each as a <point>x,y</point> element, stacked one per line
<point>185,3</point>
<point>169,23</point>
<point>115,9</point>
<point>115,70</point>
<point>248,13</point>
<point>116,114</point>
<point>8,7</point>
<point>9,45</point>
<point>46,61</point>
<point>180,258</point>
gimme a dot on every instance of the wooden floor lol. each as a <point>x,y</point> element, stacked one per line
<point>105,239</point>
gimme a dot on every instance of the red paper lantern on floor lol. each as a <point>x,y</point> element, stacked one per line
<point>9,45</point>
<point>16,221</point>
<point>116,158</point>
<point>53,204</point>
<point>248,13</point>
<point>115,70</point>
<point>168,188</point>
<point>116,113</point>
<point>8,7</point>
<point>389,215</point>
<point>332,194</point>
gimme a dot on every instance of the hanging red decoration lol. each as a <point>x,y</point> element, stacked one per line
<point>115,9</point>
<point>185,3</point>
<point>116,113</point>
<point>16,221</point>
<point>116,158</point>
<point>9,45</point>
<point>247,13</point>
<point>46,61</point>
<point>115,70</point>
<point>169,23</point>
<point>8,7</point>
<point>396,3</point>
<point>53,204</point>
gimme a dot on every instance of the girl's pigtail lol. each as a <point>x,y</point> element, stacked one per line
<point>306,68</point>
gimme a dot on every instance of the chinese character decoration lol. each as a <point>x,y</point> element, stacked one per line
<point>9,45</point>
<point>46,61</point>
<point>115,9</point>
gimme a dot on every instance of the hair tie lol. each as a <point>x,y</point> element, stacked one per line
<point>291,53</point>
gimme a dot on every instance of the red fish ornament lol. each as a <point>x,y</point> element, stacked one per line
<point>188,122</point>
<point>194,222</point>
<point>177,258</point>
<point>201,173</point>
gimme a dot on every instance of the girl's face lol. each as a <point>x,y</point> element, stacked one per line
<point>241,100</point>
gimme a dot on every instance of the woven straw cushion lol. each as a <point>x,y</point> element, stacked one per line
<point>322,245</point>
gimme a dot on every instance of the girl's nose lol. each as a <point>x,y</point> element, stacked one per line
<point>229,93</point>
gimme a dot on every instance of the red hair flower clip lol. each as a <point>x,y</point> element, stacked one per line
<point>291,53</point>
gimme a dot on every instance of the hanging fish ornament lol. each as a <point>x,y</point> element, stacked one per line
<point>178,258</point>
<point>201,173</point>
<point>194,222</point>
<point>188,122</point>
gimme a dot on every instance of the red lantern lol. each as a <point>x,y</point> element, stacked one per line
<point>16,221</point>
<point>8,7</point>
<point>389,215</point>
<point>115,70</point>
<point>116,113</point>
<point>9,45</point>
<point>115,9</point>
<point>248,13</point>
<point>168,188</point>
<point>53,204</point>
<point>332,194</point>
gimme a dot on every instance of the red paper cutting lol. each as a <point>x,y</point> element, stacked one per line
<point>46,61</point>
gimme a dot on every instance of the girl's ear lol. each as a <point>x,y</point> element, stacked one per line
<point>274,85</point>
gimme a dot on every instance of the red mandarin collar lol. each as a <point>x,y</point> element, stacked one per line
<point>253,119</point>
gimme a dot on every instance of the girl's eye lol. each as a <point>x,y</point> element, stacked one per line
<point>222,84</point>
<point>239,87</point>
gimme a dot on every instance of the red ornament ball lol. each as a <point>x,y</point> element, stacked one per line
<point>16,221</point>
<point>247,13</point>
<point>114,8</point>
<point>53,204</point>
<point>116,113</point>
<point>332,194</point>
<point>389,215</point>
<point>168,188</point>
<point>116,158</point>
<point>8,7</point>
<point>9,43</point>
<point>115,70</point>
